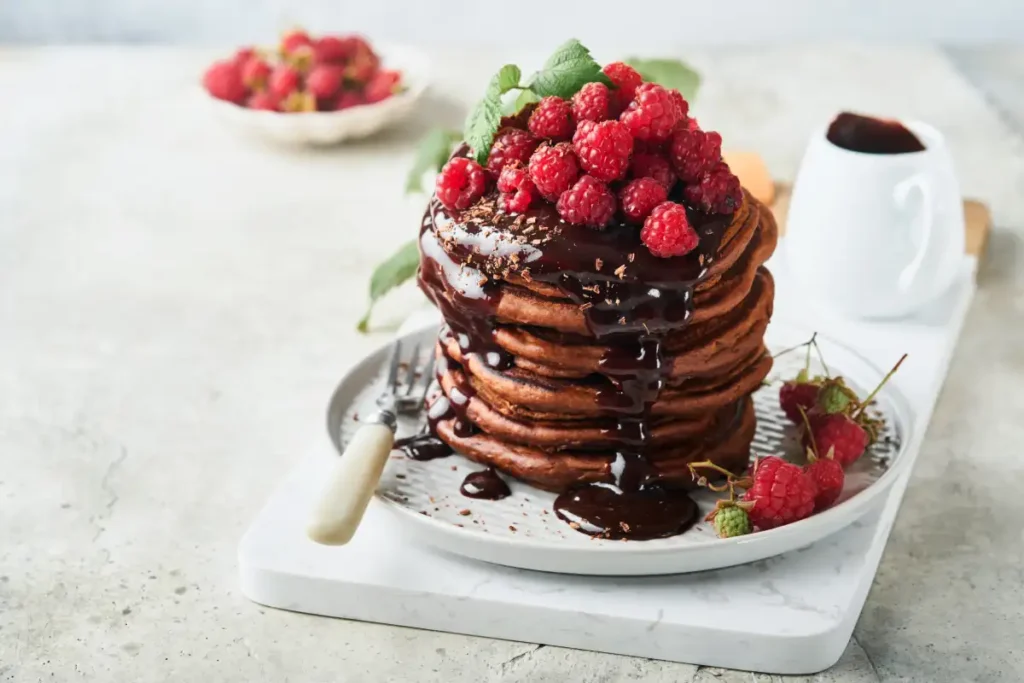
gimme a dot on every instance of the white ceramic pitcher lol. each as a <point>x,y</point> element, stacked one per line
<point>875,235</point>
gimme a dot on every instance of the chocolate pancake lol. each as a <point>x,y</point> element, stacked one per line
<point>574,357</point>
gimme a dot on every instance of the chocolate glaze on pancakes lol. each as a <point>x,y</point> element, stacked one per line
<point>577,361</point>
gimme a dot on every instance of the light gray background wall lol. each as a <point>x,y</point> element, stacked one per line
<point>654,24</point>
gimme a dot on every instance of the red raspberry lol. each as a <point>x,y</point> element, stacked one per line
<point>694,152</point>
<point>588,202</point>
<point>828,477</point>
<point>511,144</point>
<point>682,106</point>
<point>263,101</point>
<point>283,81</point>
<point>255,72</point>
<point>243,55</point>
<point>592,102</point>
<point>293,41</point>
<point>718,190</point>
<point>552,119</point>
<point>516,187</point>
<point>349,98</point>
<point>331,50</point>
<point>647,165</point>
<point>363,62</point>
<point>603,149</point>
<point>382,85</point>
<point>324,81</point>
<point>652,114</point>
<point>461,182</point>
<point>626,80</point>
<point>794,396</point>
<point>553,169</point>
<point>223,80</point>
<point>838,433</point>
<point>781,493</point>
<point>299,101</point>
<point>667,231</point>
<point>639,198</point>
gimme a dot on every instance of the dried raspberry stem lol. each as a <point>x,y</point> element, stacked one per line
<point>864,404</point>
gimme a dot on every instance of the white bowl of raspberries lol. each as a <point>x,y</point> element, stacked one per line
<point>316,90</point>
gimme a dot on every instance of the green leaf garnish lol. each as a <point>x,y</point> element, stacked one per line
<point>525,97</point>
<point>670,73</point>
<point>485,118</point>
<point>432,153</point>
<point>566,71</point>
<point>397,269</point>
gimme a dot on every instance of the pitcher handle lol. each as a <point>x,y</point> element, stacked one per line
<point>925,226</point>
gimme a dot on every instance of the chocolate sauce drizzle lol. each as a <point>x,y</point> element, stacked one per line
<point>630,300</point>
<point>485,484</point>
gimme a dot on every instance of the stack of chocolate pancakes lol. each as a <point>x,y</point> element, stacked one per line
<point>575,360</point>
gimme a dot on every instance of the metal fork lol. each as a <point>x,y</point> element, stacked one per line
<point>354,477</point>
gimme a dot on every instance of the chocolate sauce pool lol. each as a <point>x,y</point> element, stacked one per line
<point>630,300</point>
<point>486,484</point>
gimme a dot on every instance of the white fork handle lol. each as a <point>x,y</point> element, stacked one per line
<point>350,485</point>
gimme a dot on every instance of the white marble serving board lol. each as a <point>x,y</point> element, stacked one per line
<point>790,614</point>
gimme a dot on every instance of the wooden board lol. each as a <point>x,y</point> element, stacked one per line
<point>753,173</point>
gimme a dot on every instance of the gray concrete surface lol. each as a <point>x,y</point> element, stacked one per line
<point>176,303</point>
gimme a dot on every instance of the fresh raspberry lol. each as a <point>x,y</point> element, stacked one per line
<point>603,149</point>
<point>552,119</point>
<point>324,81</point>
<point>781,493</point>
<point>639,198</point>
<point>511,144</point>
<point>283,81</point>
<point>682,106</point>
<point>223,80</point>
<point>382,85</point>
<point>516,187</point>
<point>732,520</point>
<point>588,202</point>
<point>828,477</point>
<point>626,80</point>
<point>795,396</point>
<point>263,101</point>
<point>667,231</point>
<point>461,182</point>
<point>243,55</point>
<point>255,72</point>
<point>838,433</point>
<point>647,165</point>
<point>717,191</point>
<point>835,397</point>
<point>652,114</point>
<point>553,169</point>
<point>293,41</point>
<point>592,102</point>
<point>694,152</point>
<point>349,98</point>
<point>363,62</point>
<point>331,50</point>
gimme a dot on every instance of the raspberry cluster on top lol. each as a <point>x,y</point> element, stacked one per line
<point>629,151</point>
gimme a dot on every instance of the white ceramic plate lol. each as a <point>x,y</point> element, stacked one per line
<point>523,531</point>
<point>328,128</point>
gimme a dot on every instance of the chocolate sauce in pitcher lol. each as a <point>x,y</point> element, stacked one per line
<point>870,135</point>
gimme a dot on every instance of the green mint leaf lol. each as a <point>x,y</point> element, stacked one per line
<point>485,118</point>
<point>432,153</point>
<point>566,71</point>
<point>670,73</point>
<point>397,269</point>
